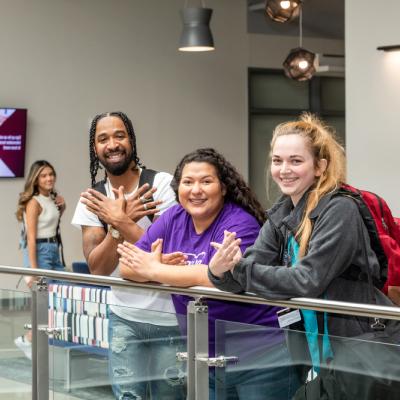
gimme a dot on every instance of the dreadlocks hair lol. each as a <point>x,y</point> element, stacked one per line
<point>94,160</point>
<point>237,190</point>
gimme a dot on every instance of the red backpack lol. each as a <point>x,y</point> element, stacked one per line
<point>384,234</point>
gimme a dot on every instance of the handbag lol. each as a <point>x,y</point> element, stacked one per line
<point>323,387</point>
<point>364,367</point>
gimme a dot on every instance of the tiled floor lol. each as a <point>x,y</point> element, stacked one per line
<point>11,390</point>
<point>16,377</point>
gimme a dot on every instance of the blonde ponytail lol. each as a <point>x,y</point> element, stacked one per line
<point>323,145</point>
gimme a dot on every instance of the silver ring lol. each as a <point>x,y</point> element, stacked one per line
<point>145,207</point>
<point>143,199</point>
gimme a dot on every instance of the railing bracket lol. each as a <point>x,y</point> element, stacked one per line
<point>53,332</point>
<point>218,362</point>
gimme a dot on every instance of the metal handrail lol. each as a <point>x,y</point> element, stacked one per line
<point>337,307</point>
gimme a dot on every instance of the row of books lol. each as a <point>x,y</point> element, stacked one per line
<point>79,299</point>
<point>80,329</point>
<point>81,312</point>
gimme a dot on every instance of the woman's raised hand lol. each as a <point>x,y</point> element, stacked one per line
<point>137,264</point>
<point>175,258</point>
<point>228,254</point>
<point>60,203</point>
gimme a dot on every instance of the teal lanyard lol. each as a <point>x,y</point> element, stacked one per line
<point>310,320</point>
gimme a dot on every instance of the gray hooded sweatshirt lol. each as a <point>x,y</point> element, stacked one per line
<point>337,245</point>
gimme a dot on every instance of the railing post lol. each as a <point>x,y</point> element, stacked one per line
<point>197,349</point>
<point>40,341</point>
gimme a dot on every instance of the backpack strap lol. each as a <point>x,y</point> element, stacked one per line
<point>100,186</point>
<point>23,240</point>
<point>58,230</point>
<point>355,273</point>
<point>146,176</point>
<point>60,243</point>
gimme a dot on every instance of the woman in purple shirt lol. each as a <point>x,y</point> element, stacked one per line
<point>213,198</point>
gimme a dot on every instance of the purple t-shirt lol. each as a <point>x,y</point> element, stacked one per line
<point>175,227</point>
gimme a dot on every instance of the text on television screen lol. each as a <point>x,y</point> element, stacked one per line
<point>12,142</point>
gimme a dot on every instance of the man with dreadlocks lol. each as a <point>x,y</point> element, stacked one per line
<point>144,340</point>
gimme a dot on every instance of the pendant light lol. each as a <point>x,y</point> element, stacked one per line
<point>196,34</point>
<point>299,64</point>
<point>282,10</point>
<point>394,47</point>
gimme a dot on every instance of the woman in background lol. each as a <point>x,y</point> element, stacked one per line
<point>39,209</point>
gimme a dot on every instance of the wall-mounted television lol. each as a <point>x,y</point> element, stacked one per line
<point>12,142</point>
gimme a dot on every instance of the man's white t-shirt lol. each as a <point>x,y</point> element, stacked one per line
<point>141,305</point>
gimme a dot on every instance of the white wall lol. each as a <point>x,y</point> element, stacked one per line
<point>66,60</point>
<point>373,98</point>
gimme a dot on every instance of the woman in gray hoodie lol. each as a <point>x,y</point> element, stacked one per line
<point>314,242</point>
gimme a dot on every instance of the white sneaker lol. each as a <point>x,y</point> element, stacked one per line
<point>24,345</point>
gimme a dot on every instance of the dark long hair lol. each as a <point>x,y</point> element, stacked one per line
<point>94,160</point>
<point>31,187</point>
<point>237,189</point>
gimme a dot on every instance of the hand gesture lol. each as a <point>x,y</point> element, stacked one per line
<point>141,205</point>
<point>138,263</point>
<point>175,258</point>
<point>29,281</point>
<point>108,210</point>
<point>60,203</point>
<point>228,254</point>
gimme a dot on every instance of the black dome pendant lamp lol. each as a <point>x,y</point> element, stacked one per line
<point>196,34</point>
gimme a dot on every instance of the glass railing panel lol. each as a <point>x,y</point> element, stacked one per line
<point>273,363</point>
<point>365,369</point>
<point>111,351</point>
<point>15,350</point>
<point>258,367</point>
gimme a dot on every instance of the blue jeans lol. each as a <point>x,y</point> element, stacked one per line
<point>48,257</point>
<point>275,383</point>
<point>142,360</point>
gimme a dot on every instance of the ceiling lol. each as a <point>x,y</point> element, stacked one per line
<point>321,18</point>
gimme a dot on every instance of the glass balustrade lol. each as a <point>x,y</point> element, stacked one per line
<point>88,346</point>
<point>15,351</point>
<point>258,365</point>
<point>99,347</point>
<point>272,363</point>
